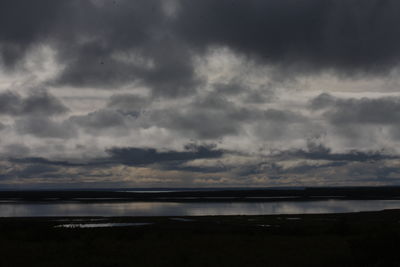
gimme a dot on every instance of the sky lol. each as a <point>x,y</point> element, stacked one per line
<point>199,93</point>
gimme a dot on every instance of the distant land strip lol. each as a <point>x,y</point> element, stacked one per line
<point>204,195</point>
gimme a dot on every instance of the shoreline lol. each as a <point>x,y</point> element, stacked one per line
<point>207,218</point>
<point>214,195</point>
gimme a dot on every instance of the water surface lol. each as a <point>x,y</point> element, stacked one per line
<point>192,208</point>
<point>99,225</point>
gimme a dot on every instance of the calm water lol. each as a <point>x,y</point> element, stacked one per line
<point>99,225</point>
<point>192,209</point>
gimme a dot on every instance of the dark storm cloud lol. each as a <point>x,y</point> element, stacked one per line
<point>347,35</point>
<point>321,152</point>
<point>359,111</point>
<point>169,160</point>
<point>127,41</point>
<point>24,23</point>
<point>275,171</point>
<point>44,161</point>
<point>140,156</point>
<point>38,103</point>
<point>171,72</point>
<point>33,171</point>
<point>132,156</point>
<point>36,167</point>
<point>89,36</point>
<point>110,43</point>
<point>123,44</point>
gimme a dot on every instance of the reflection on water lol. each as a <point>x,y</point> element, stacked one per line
<point>99,225</point>
<point>182,220</point>
<point>193,208</point>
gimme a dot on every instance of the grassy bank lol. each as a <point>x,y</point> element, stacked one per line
<point>358,239</point>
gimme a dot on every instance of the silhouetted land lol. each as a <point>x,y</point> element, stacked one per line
<point>357,239</point>
<point>300,194</point>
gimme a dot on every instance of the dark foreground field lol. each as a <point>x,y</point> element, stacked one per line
<point>359,239</point>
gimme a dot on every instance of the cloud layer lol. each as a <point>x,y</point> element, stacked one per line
<point>199,93</point>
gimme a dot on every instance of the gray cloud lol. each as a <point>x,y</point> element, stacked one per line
<point>360,111</point>
<point>321,152</point>
<point>10,103</point>
<point>15,150</point>
<point>206,117</point>
<point>103,120</point>
<point>208,72</point>
<point>44,161</point>
<point>127,102</point>
<point>44,127</point>
<point>102,44</point>
<point>129,42</point>
<point>133,156</point>
<point>38,103</point>
<point>106,44</point>
<point>22,24</point>
<point>283,116</point>
<point>34,171</point>
<point>140,156</point>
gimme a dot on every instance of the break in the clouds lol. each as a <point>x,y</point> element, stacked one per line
<point>97,93</point>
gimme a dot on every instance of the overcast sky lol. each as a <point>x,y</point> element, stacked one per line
<point>199,93</point>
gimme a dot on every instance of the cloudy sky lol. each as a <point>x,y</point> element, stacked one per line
<point>199,93</point>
